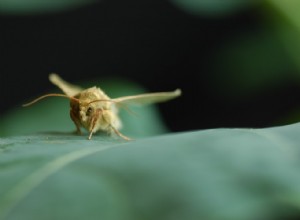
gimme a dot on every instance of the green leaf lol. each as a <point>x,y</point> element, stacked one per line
<point>211,174</point>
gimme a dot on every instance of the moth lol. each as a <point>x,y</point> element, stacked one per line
<point>93,110</point>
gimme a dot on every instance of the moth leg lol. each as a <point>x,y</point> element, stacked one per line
<point>94,121</point>
<point>110,118</point>
<point>90,136</point>
<point>120,134</point>
<point>76,122</point>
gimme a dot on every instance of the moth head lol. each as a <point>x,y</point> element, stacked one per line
<point>88,111</point>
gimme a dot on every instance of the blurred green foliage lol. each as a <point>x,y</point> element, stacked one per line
<point>261,58</point>
<point>213,7</point>
<point>252,63</point>
<point>37,6</point>
<point>286,21</point>
<point>257,59</point>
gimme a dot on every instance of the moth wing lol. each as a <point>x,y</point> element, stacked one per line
<point>148,98</point>
<point>67,88</point>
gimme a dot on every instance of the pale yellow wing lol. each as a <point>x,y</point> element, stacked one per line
<point>67,88</point>
<point>148,98</point>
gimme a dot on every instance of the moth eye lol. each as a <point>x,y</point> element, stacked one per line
<point>89,111</point>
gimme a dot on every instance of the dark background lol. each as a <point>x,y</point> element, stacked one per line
<point>234,68</point>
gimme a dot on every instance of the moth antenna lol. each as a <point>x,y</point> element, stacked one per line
<point>122,105</point>
<point>126,108</point>
<point>101,100</point>
<point>50,95</point>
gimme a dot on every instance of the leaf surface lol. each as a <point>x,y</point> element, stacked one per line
<point>210,174</point>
